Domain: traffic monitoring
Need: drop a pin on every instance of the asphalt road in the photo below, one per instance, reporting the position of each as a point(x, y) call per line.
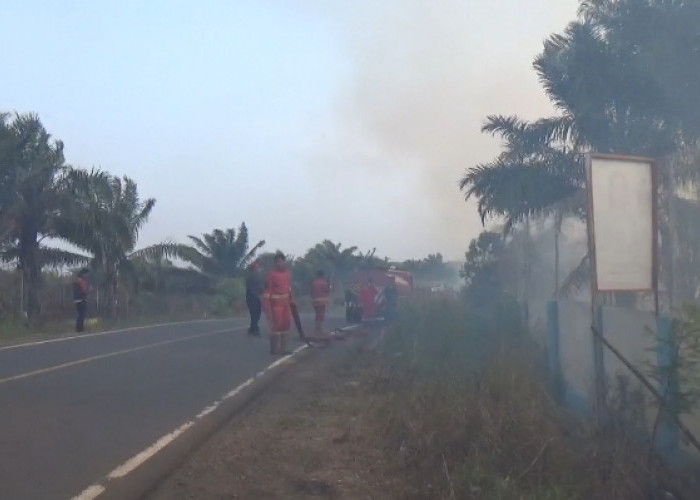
point(71, 411)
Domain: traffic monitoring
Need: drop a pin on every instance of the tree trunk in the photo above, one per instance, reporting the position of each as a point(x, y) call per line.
point(526, 252)
point(110, 292)
point(526, 275)
point(558, 219)
point(21, 293)
point(114, 297)
point(31, 273)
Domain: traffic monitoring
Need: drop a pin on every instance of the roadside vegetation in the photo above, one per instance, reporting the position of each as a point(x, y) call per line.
point(464, 406)
point(459, 399)
point(56, 218)
point(620, 78)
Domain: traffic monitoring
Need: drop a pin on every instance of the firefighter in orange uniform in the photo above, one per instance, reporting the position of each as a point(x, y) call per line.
point(368, 297)
point(277, 301)
point(320, 298)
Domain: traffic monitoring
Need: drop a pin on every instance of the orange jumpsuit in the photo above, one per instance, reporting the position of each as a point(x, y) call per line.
point(320, 298)
point(277, 299)
point(368, 298)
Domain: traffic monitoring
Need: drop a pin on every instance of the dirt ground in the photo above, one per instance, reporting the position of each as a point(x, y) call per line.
point(306, 438)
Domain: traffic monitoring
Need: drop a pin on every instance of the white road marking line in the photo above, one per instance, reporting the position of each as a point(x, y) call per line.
point(206, 411)
point(240, 387)
point(107, 332)
point(140, 458)
point(90, 493)
point(131, 464)
point(112, 354)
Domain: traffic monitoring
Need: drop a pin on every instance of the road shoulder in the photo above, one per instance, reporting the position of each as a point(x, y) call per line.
point(303, 438)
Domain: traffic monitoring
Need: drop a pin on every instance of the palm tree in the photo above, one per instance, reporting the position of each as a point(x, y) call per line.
point(623, 80)
point(8, 174)
point(111, 215)
point(597, 74)
point(658, 40)
point(336, 259)
point(528, 178)
point(607, 103)
point(34, 197)
point(221, 253)
point(535, 176)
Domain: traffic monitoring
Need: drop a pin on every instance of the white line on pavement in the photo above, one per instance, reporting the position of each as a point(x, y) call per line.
point(91, 493)
point(137, 460)
point(107, 332)
point(81, 361)
point(140, 458)
point(134, 462)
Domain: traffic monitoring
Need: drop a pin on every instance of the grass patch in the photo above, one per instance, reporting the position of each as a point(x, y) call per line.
point(461, 403)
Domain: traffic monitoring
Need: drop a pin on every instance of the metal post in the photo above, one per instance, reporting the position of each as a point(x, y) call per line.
point(599, 361)
point(596, 309)
point(667, 349)
point(525, 308)
point(666, 356)
point(21, 293)
point(553, 350)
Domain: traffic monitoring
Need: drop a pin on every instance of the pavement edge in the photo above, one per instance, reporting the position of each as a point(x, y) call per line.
point(147, 477)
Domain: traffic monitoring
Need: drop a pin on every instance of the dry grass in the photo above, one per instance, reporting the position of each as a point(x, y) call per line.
point(501, 437)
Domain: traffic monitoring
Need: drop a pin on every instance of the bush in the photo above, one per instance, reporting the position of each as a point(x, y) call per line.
point(230, 293)
point(466, 411)
point(440, 333)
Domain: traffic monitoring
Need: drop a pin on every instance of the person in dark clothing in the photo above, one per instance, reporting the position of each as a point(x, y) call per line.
point(391, 295)
point(253, 291)
point(80, 296)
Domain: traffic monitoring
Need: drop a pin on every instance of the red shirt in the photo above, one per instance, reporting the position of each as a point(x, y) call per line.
point(80, 290)
point(367, 298)
point(320, 291)
point(278, 286)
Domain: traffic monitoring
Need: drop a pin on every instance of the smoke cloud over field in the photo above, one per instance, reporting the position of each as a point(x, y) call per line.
point(423, 77)
point(358, 117)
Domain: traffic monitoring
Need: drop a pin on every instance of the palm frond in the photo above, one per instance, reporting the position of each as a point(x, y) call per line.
point(251, 254)
point(201, 245)
point(515, 190)
point(54, 257)
point(510, 128)
point(143, 214)
point(159, 251)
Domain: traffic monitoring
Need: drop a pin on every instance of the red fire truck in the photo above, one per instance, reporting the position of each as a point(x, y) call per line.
point(381, 279)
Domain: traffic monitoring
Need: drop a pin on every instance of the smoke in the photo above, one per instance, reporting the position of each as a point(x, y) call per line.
point(423, 77)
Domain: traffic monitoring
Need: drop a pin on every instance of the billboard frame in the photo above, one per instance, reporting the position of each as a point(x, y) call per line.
point(596, 311)
point(654, 274)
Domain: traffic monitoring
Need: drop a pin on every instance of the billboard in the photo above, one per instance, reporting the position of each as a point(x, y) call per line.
point(622, 209)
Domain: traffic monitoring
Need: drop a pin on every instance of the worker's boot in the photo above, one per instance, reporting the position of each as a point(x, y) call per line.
point(274, 341)
point(283, 345)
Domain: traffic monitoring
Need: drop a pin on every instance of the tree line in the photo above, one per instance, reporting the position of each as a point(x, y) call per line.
point(623, 78)
point(55, 217)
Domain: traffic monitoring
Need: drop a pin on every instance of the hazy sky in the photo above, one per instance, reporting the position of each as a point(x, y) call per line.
point(349, 120)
